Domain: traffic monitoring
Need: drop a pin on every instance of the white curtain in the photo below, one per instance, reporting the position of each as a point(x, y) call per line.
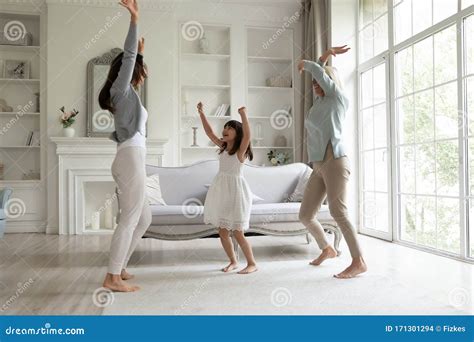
point(315, 42)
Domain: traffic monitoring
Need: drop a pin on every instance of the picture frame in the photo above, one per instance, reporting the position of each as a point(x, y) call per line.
point(16, 69)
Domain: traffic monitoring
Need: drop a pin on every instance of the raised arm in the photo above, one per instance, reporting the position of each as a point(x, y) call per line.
point(317, 71)
point(122, 83)
point(207, 127)
point(247, 135)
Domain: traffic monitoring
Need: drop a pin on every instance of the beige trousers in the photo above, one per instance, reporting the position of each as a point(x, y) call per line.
point(128, 170)
point(329, 178)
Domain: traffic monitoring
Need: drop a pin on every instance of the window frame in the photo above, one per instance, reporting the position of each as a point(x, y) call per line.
point(388, 56)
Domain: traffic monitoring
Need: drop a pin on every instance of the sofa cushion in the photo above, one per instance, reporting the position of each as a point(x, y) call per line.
point(297, 195)
point(153, 190)
point(273, 184)
point(261, 213)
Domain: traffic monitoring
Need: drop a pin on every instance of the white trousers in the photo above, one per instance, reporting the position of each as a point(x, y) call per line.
point(128, 171)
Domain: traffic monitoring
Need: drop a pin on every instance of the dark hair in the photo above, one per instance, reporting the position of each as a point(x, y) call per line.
point(238, 139)
point(138, 72)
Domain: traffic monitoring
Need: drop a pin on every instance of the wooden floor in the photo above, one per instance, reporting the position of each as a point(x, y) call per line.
point(50, 274)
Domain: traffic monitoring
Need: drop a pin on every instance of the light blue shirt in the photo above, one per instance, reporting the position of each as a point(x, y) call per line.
point(325, 119)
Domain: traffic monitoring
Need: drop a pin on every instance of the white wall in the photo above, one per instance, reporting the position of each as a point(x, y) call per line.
point(70, 26)
point(344, 31)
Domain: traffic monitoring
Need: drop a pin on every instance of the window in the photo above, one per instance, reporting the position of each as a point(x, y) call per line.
point(433, 134)
point(414, 16)
point(374, 150)
point(427, 146)
point(373, 34)
point(468, 80)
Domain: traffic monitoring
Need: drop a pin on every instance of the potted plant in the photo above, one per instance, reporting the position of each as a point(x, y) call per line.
point(67, 119)
point(278, 158)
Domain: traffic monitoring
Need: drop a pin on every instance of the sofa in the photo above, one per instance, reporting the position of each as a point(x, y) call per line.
point(184, 189)
point(4, 196)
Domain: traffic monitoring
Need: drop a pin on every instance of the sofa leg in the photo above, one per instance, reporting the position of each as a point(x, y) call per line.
point(308, 238)
point(337, 237)
point(236, 246)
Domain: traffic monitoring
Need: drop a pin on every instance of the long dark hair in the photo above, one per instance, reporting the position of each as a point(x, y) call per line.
point(239, 134)
point(139, 72)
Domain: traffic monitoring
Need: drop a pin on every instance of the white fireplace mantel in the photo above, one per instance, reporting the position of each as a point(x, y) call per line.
point(88, 159)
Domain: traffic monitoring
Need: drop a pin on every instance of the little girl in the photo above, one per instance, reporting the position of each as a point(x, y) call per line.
point(229, 199)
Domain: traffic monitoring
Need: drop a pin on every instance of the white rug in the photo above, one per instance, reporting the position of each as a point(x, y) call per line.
point(279, 288)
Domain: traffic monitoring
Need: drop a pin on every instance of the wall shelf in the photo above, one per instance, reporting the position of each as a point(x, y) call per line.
point(19, 80)
point(276, 60)
point(19, 48)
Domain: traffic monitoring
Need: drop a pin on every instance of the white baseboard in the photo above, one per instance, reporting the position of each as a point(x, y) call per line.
point(25, 227)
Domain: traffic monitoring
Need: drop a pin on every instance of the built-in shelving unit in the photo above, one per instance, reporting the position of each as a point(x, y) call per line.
point(204, 71)
point(261, 78)
point(270, 93)
point(20, 92)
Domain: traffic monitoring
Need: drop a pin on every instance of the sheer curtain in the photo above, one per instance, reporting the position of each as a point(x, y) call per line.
point(315, 42)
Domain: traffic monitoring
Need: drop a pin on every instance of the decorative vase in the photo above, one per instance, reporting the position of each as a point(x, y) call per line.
point(281, 141)
point(203, 44)
point(69, 132)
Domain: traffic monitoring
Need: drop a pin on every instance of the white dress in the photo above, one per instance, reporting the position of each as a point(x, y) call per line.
point(229, 199)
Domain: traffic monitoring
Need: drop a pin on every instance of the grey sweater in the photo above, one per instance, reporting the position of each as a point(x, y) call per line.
point(124, 98)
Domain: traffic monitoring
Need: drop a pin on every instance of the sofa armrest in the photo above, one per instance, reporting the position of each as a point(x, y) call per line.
point(4, 196)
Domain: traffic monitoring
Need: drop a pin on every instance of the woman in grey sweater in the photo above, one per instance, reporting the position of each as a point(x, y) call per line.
point(119, 96)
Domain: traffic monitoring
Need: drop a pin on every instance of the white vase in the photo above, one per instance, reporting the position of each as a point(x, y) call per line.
point(69, 132)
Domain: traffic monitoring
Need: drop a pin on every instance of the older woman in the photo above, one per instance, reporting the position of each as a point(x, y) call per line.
point(330, 164)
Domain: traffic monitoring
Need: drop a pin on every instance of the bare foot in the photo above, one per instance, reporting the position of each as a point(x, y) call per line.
point(125, 275)
point(115, 283)
point(249, 269)
point(327, 253)
point(232, 266)
point(357, 266)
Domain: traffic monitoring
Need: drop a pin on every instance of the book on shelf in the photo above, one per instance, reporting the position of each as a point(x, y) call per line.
point(33, 138)
point(222, 110)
